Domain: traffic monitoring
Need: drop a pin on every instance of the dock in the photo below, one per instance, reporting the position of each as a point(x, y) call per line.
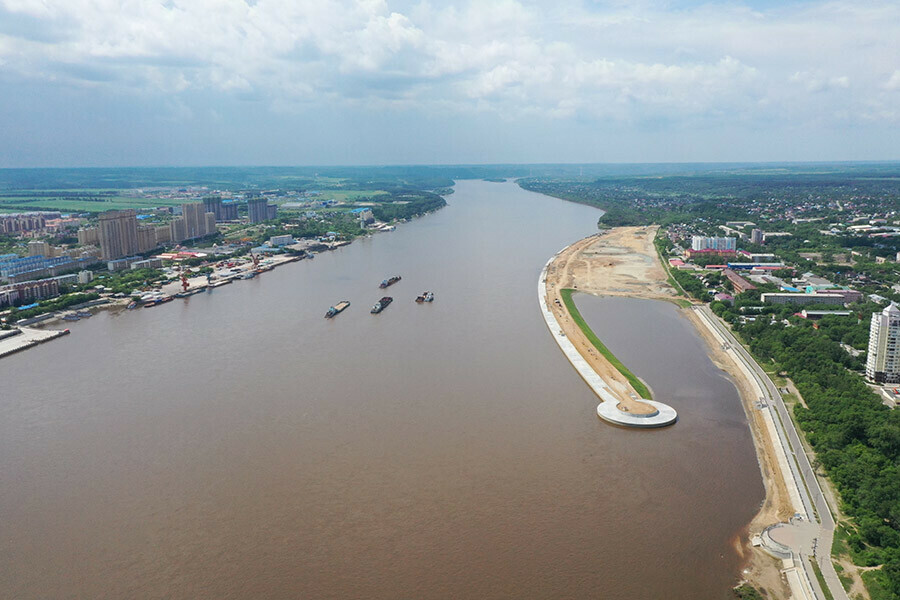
point(26, 337)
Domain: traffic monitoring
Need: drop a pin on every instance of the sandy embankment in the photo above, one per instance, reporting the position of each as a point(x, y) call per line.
point(623, 262)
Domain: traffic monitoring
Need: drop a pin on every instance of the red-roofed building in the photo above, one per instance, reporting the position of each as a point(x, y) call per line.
point(740, 284)
point(710, 252)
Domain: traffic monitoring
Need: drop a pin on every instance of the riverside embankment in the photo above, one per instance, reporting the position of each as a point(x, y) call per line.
point(623, 263)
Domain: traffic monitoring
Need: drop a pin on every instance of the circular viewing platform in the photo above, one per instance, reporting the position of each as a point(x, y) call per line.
point(662, 416)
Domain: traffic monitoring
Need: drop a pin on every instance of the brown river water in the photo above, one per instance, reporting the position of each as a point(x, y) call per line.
point(237, 445)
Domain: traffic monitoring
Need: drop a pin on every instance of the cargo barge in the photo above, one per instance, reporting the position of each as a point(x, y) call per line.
point(390, 281)
point(337, 308)
point(381, 305)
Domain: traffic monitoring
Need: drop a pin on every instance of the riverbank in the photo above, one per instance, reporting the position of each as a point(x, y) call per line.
point(41, 329)
point(623, 262)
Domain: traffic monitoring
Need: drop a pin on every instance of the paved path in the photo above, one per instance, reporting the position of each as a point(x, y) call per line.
point(810, 492)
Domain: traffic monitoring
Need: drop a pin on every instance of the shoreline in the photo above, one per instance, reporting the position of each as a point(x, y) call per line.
point(623, 262)
point(197, 285)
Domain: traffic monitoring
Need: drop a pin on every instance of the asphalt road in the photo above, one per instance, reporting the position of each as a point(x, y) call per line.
point(810, 492)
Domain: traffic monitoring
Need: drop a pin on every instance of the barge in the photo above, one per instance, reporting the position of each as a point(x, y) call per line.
point(390, 281)
point(381, 305)
point(337, 309)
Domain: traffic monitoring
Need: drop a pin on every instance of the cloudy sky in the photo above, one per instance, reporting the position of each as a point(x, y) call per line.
point(312, 82)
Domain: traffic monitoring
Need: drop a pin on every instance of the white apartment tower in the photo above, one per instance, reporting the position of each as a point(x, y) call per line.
point(883, 364)
point(699, 243)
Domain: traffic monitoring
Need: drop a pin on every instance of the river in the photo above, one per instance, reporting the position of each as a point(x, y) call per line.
point(237, 445)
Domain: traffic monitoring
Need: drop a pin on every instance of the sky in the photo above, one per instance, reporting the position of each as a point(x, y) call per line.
point(342, 82)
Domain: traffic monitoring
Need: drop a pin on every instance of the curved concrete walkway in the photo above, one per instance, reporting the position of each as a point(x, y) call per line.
point(608, 409)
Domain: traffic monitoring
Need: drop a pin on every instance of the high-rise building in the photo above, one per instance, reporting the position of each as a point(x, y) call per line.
point(177, 230)
point(258, 209)
point(38, 248)
point(213, 204)
point(194, 219)
point(224, 211)
point(146, 238)
point(118, 234)
point(883, 363)
point(89, 236)
point(756, 236)
point(229, 211)
point(700, 243)
point(197, 222)
point(20, 222)
point(163, 234)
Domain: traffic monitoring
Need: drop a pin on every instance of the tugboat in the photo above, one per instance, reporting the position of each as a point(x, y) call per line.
point(381, 305)
point(425, 297)
point(390, 281)
point(337, 308)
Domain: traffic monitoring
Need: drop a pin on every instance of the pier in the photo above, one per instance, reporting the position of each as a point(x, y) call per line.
point(26, 337)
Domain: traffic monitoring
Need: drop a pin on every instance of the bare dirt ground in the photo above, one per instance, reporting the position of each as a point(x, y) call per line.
point(623, 262)
point(619, 262)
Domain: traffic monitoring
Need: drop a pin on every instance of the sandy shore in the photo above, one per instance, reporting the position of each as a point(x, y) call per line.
point(623, 262)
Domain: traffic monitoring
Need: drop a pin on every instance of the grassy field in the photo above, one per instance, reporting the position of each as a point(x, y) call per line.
point(67, 205)
point(344, 195)
point(636, 383)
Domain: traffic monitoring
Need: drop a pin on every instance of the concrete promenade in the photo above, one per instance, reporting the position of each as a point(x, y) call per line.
point(811, 533)
point(27, 338)
point(608, 408)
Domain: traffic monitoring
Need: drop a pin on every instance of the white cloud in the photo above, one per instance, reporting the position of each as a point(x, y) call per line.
point(820, 83)
point(572, 57)
point(893, 83)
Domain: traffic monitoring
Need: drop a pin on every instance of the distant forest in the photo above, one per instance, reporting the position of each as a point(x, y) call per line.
point(606, 176)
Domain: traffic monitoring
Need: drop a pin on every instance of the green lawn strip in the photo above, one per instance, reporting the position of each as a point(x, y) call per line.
point(821, 579)
point(636, 383)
